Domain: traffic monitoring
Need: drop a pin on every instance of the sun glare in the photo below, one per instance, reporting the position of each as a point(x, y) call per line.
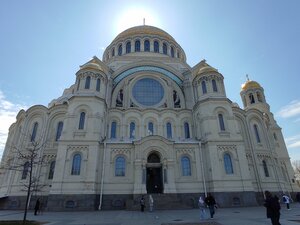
point(135, 17)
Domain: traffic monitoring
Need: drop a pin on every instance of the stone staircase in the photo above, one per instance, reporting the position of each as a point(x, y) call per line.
point(164, 201)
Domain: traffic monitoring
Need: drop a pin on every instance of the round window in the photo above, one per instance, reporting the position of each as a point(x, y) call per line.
point(148, 92)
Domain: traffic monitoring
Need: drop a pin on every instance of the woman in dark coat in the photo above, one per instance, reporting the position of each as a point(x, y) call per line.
point(273, 208)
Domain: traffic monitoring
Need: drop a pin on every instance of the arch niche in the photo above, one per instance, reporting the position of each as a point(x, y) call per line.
point(154, 178)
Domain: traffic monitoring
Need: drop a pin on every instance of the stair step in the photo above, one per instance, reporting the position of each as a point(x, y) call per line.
point(161, 201)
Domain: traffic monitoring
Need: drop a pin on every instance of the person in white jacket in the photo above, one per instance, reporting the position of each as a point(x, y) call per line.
point(287, 201)
point(201, 205)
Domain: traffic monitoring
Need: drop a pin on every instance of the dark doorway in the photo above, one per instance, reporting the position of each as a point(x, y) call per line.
point(154, 180)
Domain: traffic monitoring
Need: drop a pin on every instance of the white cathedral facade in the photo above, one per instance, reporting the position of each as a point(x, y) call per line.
point(142, 121)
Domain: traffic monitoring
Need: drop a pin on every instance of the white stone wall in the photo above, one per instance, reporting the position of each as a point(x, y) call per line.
point(205, 148)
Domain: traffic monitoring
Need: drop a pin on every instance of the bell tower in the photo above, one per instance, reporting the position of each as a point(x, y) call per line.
point(253, 96)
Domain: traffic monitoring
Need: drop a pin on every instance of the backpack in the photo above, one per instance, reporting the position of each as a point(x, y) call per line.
point(284, 199)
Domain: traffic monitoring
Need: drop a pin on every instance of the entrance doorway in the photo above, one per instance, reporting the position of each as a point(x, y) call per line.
point(154, 181)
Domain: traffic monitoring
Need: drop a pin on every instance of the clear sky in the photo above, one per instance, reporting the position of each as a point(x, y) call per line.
point(43, 43)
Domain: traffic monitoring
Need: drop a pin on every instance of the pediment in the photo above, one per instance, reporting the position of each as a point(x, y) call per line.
point(154, 139)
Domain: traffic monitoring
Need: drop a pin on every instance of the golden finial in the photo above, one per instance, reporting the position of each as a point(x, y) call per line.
point(247, 77)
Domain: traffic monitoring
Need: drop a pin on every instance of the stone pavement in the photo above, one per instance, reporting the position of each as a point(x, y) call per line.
point(223, 216)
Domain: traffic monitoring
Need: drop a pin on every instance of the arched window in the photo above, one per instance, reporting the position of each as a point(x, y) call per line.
point(87, 82)
point(59, 130)
point(228, 164)
point(34, 131)
point(172, 52)
point(132, 130)
point(113, 131)
point(178, 55)
point(81, 121)
point(25, 170)
point(156, 46)
point(214, 85)
point(113, 52)
point(259, 98)
point(185, 166)
point(98, 84)
point(265, 168)
point(251, 97)
point(147, 46)
point(204, 89)
point(169, 130)
point(76, 164)
point(256, 133)
point(165, 49)
point(137, 46)
point(120, 49)
point(51, 170)
point(186, 130)
point(128, 47)
point(120, 166)
point(150, 128)
point(221, 122)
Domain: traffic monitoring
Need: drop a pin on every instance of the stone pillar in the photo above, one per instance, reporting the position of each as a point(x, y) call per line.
point(169, 186)
point(139, 184)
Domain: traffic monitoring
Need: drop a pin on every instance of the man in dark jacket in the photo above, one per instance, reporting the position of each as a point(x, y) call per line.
point(211, 202)
point(37, 206)
point(273, 208)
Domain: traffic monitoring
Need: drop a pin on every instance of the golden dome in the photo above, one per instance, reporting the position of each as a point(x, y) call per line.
point(144, 30)
point(250, 84)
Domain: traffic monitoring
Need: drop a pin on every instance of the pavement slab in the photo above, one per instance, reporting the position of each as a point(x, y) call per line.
point(223, 216)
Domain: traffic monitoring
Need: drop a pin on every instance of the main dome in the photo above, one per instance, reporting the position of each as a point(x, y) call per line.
point(143, 30)
point(141, 39)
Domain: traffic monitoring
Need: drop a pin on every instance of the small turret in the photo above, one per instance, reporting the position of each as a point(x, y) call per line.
point(253, 96)
point(207, 82)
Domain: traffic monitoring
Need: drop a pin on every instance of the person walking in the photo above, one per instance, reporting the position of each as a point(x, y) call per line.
point(151, 203)
point(298, 197)
point(201, 205)
point(37, 206)
point(273, 208)
point(286, 200)
point(142, 203)
point(211, 202)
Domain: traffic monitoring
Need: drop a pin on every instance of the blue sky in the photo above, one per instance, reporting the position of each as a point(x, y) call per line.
point(43, 43)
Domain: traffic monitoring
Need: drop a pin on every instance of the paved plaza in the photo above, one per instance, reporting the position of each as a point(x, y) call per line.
point(224, 216)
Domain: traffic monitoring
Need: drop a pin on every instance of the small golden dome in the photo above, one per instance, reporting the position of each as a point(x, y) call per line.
point(250, 84)
point(92, 64)
point(207, 69)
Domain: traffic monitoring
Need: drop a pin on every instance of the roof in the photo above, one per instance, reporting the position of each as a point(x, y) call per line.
point(142, 30)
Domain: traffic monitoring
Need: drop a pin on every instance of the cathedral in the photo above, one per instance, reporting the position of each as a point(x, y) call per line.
point(142, 121)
